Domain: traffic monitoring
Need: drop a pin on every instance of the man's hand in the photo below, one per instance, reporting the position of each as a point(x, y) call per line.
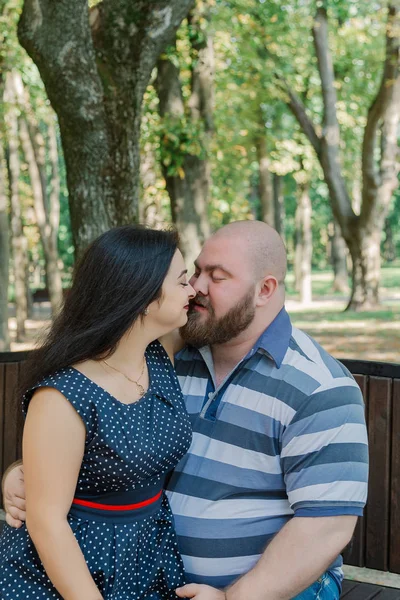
point(200, 592)
point(14, 496)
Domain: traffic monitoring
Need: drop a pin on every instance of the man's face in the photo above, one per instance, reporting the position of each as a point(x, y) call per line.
point(225, 294)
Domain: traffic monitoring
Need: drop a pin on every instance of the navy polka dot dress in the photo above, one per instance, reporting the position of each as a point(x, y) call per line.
point(120, 517)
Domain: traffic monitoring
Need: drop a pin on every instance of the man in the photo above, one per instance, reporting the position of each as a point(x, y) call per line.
point(276, 476)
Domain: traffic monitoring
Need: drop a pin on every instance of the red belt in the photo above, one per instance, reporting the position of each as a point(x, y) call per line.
point(99, 506)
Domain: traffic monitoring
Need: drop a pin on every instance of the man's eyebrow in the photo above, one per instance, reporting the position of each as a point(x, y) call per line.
point(214, 267)
point(183, 273)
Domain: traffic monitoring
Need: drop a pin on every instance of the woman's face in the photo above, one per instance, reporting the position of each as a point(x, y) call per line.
point(170, 311)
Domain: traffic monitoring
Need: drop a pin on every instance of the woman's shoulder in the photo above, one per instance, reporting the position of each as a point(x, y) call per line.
point(57, 379)
point(73, 386)
point(68, 381)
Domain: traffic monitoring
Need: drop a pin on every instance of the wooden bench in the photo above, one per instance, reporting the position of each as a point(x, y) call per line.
point(11, 364)
point(376, 542)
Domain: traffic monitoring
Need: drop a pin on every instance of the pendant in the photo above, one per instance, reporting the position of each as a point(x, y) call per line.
point(141, 389)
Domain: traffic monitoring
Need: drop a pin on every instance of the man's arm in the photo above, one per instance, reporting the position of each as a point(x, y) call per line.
point(324, 455)
point(13, 487)
point(296, 557)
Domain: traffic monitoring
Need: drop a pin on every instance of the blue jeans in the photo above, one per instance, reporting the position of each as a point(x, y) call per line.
point(325, 588)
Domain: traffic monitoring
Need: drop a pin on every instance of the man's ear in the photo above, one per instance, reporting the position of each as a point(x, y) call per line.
point(267, 287)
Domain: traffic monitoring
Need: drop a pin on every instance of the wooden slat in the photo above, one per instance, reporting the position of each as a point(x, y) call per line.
point(355, 590)
point(379, 428)
point(2, 383)
point(372, 368)
point(394, 551)
point(360, 591)
point(13, 357)
point(347, 586)
point(355, 551)
point(10, 415)
point(387, 593)
point(20, 420)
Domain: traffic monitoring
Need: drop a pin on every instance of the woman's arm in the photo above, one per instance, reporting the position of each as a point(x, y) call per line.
point(53, 447)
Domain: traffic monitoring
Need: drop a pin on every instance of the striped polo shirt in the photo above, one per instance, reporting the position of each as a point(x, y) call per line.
point(282, 436)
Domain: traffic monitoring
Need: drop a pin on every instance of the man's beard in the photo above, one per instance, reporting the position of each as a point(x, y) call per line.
point(204, 332)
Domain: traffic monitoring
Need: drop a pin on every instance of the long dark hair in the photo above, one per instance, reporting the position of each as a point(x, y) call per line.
point(119, 274)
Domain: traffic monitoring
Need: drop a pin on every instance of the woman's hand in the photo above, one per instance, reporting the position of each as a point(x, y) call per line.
point(200, 592)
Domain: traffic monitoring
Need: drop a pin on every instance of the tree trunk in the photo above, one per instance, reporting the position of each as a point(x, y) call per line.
point(54, 280)
point(4, 258)
point(265, 176)
point(48, 230)
point(96, 67)
point(188, 181)
point(150, 209)
point(201, 107)
point(389, 249)
point(19, 242)
point(338, 259)
point(365, 250)
point(183, 208)
point(279, 205)
point(379, 169)
point(303, 249)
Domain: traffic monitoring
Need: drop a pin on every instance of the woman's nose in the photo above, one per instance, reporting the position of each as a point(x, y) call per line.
point(191, 291)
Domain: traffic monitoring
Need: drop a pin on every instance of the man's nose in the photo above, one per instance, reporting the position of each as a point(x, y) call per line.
point(199, 284)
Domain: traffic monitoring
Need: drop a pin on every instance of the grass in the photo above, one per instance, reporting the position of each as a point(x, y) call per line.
point(370, 335)
point(322, 282)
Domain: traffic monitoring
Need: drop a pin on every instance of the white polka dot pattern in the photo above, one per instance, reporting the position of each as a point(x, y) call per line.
point(128, 447)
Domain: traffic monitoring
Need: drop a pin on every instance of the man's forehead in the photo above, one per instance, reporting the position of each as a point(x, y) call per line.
point(222, 250)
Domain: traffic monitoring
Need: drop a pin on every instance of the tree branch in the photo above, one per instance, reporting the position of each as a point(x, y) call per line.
point(385, 102)
point(298, 109)
point(326, 73)
point(330, 139)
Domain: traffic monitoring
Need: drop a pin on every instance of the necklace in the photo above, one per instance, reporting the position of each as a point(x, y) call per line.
point(136, 382)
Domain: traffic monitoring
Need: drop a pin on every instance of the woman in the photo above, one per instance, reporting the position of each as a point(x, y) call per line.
point(105, 422)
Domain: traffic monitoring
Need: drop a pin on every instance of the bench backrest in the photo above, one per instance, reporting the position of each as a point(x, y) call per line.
point(11, 364)
point(376, 543)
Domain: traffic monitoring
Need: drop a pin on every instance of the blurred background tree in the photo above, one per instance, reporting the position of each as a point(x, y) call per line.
point(197, 114)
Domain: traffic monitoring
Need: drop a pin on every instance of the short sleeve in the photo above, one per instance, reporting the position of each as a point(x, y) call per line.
point(74, 389)
point(325, 452)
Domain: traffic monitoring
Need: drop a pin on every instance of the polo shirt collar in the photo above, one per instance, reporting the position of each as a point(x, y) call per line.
point(275, 339)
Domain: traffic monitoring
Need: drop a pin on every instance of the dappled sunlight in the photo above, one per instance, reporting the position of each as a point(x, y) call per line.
point(360, 346)
point(34, 327)
point(372, 326)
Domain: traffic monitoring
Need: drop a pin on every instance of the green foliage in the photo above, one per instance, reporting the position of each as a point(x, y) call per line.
point(13, 57)
point(253, 40)
point(180, 137)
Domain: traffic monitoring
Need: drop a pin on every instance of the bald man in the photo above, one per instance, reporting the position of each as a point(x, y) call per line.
point(276, 476)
